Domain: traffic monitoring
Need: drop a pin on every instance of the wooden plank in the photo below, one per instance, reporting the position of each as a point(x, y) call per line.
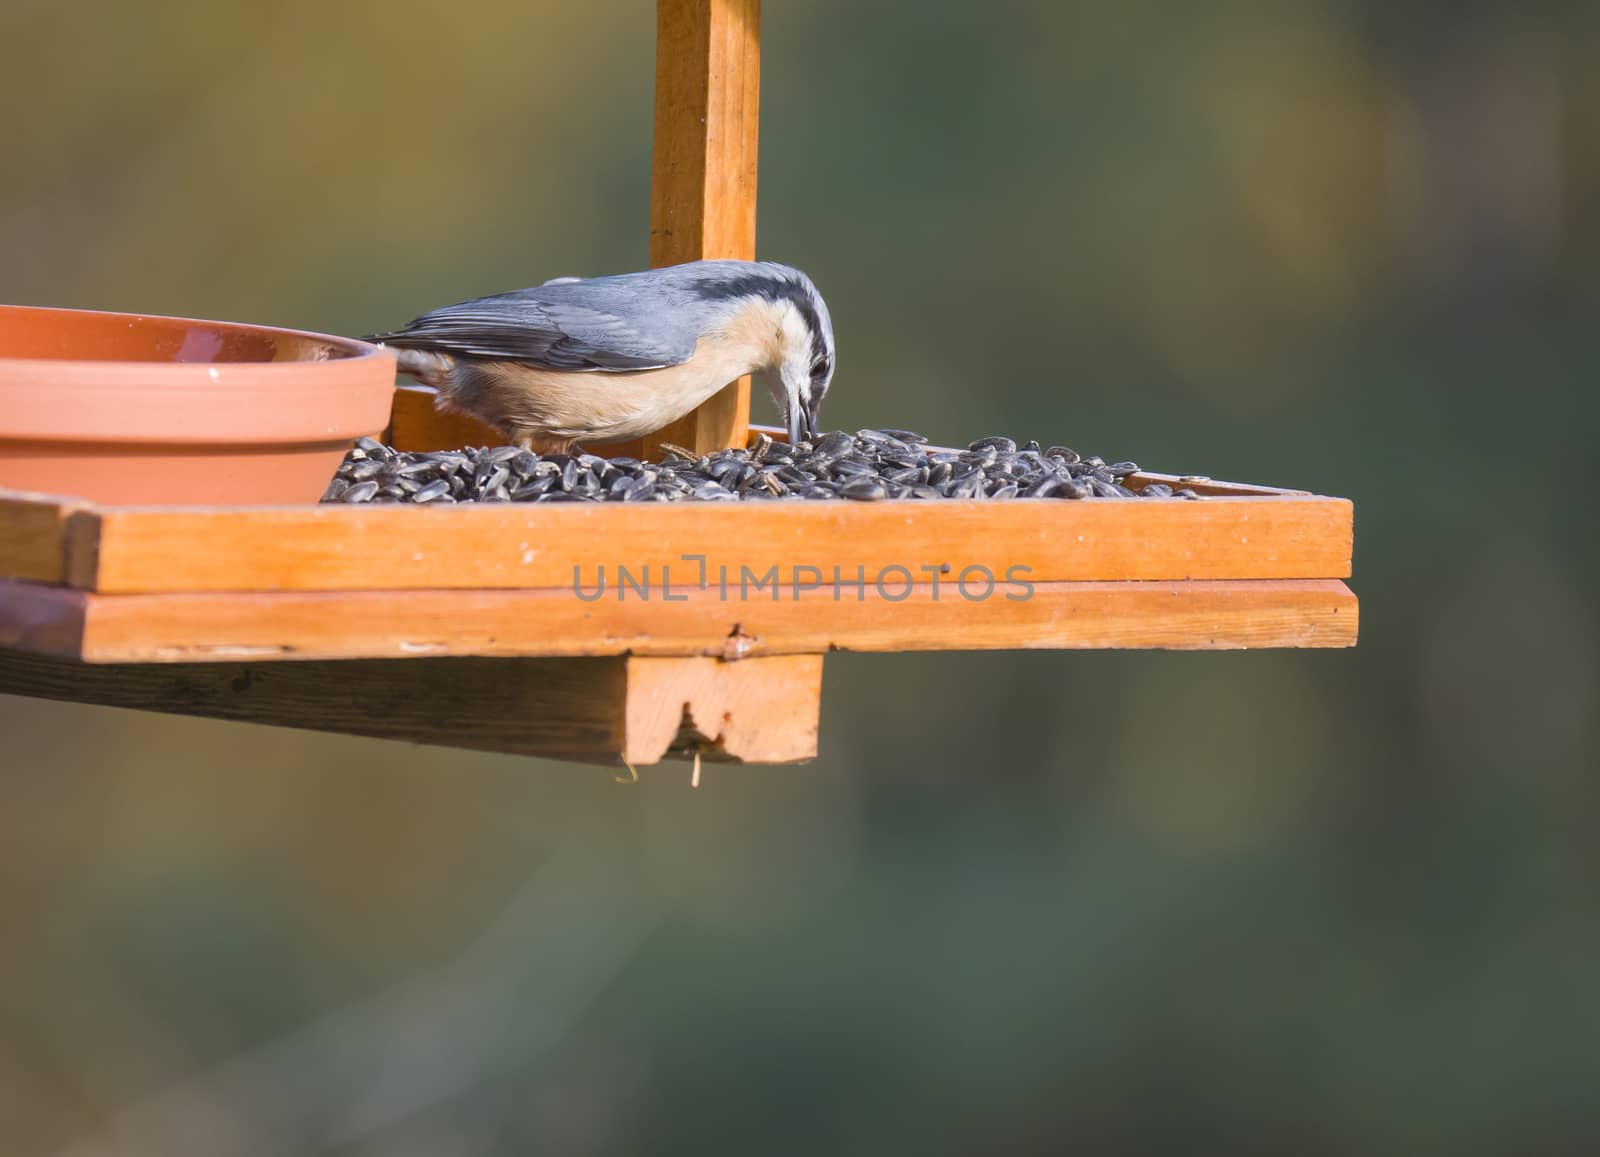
point(599, 709)
point(703, 176)
point(419, 624)
point(32, 533)
point(496, 545)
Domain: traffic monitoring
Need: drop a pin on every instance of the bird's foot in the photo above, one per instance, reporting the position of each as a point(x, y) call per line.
point(541, 444)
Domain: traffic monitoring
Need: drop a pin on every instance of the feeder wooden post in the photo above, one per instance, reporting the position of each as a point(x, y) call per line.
point(703, 180)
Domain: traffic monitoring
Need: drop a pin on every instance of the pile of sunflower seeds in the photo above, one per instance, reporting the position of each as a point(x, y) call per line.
point(866, 466)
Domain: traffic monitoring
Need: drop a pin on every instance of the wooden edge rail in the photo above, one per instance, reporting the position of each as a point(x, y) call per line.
point(503, 545)
point(961, 613)
point(119, 550)
point(606, 709)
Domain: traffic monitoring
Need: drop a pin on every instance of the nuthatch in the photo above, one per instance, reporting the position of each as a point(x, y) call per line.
point(603, 359)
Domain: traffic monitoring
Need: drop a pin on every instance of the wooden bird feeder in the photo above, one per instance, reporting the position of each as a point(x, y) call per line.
point(480, 626)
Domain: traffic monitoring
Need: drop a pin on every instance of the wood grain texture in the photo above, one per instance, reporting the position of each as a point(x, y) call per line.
point(497, 545)
point(421, 624)
point(32, 534)
point(703, 172)
point(599, 709)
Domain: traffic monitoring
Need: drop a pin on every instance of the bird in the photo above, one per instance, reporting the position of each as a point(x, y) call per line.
point(604, 359)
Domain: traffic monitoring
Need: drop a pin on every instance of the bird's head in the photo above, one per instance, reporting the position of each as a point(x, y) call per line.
point(793, 334)
point(806, 369)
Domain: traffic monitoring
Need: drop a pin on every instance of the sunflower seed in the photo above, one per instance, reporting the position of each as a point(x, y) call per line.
point(871, 465)
point(864, 490)
point(1001, 445)
point(532, 488)
point(911, 438)
point(836, 444)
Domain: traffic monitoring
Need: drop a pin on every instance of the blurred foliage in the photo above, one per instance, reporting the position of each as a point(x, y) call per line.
point(1319, 902)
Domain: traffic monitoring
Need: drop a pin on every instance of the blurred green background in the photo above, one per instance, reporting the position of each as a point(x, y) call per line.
point(1325, 902)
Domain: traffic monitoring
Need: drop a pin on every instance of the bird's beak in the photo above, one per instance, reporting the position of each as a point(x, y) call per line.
point(802, 415)
point(803, 420)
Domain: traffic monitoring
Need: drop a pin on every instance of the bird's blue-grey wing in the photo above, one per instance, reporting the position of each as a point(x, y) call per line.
point(565, 326)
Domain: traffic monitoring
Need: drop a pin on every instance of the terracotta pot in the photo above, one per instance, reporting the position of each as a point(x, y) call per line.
point(122, 408)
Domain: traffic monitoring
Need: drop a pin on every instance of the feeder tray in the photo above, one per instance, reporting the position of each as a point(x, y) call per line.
point(485, 626)
point(480, 626)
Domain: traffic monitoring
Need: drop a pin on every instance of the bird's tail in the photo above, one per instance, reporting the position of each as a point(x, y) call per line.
point(429, 368)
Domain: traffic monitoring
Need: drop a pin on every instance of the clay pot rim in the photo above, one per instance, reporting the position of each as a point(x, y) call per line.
point(351, 349)
point(232, 403)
